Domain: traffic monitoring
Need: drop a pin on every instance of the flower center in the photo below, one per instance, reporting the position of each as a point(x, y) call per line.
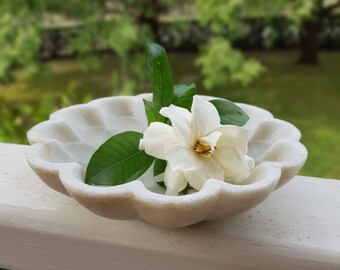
point(203, 150)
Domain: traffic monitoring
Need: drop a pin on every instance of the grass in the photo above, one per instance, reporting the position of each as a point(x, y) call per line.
point(307, 96)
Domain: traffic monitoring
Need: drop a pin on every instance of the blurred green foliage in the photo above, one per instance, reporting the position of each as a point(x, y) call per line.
point(221, 63)
point(19, 39)
point(88, 27)
point(218, 72)
point(122, 26)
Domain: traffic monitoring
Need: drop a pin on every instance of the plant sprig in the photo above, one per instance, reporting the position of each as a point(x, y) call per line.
point(119, 160)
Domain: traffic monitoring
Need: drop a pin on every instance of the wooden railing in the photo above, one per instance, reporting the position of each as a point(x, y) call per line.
point(297, 227)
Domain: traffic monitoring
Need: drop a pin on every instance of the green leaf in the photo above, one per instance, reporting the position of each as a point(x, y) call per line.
point(230, 113)
point(118, 161)
point(152, 112)
point(160, 74)
point(183, 95)
point(185, 191)
point(159, 167)
point(161, 184)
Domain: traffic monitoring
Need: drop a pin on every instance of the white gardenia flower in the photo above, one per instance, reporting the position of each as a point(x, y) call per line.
point(197, 147)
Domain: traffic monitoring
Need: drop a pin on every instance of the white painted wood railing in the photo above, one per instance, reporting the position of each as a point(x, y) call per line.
point(298, 227)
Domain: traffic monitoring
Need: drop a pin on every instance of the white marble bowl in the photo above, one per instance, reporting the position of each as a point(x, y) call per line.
point(63, 145)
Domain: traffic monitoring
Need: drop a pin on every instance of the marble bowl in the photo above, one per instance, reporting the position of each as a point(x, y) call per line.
point(62, 147)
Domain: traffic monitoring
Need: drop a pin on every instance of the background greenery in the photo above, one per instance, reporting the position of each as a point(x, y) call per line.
point(54, 54)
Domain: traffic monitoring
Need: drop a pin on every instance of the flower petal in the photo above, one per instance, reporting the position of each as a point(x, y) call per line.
point(174, 181)
point(251, 162)
point(233, 136)
point(205, 117)
point(156, 138)
point(180, 119)
point(233, 162)
point(209, 170)
point(211, 139)
point(181, 158)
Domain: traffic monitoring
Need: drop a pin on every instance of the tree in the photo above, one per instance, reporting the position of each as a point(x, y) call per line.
point(19, 38)
point(220, 62)
point(311, 28)
point(122, 26)
point(89, 26)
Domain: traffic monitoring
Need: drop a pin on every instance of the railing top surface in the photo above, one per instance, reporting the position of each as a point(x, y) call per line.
point(297, 227)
